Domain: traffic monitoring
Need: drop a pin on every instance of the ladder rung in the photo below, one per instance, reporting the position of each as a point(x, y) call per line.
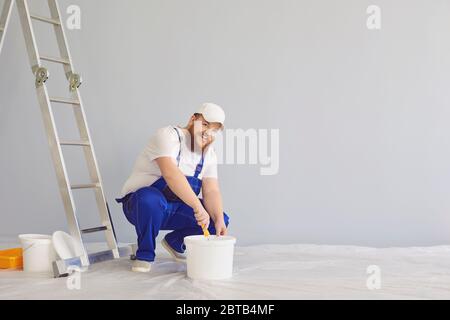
point(92, 230)
point(45, 19)
point(54, 59)
point(65, 101)
point(86, 186)
point(76, 143)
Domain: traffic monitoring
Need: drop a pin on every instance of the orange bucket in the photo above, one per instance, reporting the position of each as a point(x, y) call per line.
point(11, 259)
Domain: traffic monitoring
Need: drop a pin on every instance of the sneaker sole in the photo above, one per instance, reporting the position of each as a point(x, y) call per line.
point(141, 270)
point(169, 250)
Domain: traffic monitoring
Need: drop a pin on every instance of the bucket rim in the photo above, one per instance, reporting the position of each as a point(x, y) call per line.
point(36, 238)
point(200, 240)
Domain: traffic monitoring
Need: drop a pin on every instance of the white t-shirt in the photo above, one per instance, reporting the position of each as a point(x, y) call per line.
point(166, 143)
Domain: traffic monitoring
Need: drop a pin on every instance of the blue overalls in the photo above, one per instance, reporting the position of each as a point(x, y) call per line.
point(154, 208)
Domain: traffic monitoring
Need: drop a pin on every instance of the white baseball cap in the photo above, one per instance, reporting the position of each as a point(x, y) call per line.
point(212, 113)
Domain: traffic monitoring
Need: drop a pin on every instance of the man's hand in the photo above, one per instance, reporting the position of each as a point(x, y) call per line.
point(202, 217)
point(221, 228)
point(212, 200)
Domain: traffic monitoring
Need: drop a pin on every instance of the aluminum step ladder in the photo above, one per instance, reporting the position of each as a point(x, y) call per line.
point(46, 102)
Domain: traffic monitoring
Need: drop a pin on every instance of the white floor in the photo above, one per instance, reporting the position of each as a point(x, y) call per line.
point(261, 272)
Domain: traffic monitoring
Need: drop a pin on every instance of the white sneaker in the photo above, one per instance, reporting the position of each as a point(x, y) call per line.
point(180, 257)
point(141, 266)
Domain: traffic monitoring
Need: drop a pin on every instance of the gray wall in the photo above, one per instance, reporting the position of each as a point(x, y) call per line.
point(363, 115)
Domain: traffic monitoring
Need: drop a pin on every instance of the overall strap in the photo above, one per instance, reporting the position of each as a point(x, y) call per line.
point(179, 153)
point(199, 168)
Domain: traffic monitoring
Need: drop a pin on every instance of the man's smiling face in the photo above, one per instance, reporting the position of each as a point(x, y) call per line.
point(204, 132)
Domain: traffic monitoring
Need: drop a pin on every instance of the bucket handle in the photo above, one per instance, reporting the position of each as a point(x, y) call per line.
point(30, 246)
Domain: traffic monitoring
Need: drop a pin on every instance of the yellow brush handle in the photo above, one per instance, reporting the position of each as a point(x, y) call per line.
point(205, 231)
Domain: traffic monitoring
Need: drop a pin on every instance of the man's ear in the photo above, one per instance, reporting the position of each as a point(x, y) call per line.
point(191, 121)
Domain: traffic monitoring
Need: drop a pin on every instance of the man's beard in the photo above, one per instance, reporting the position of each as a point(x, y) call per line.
point(194, 138)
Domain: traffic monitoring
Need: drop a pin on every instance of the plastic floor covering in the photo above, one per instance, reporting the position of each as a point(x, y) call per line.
point(260, 272)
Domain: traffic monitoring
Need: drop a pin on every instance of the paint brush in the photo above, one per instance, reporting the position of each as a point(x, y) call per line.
point(205, 231)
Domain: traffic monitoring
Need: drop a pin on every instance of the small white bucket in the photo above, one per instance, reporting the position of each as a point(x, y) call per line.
point(38, 253)
point(209, 258)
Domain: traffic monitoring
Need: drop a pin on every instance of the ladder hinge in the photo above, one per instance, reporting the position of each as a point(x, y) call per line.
point(75, 81)
point(41, 74)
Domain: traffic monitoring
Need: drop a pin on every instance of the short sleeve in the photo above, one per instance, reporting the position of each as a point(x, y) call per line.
point(210, 169)
point(165, 143)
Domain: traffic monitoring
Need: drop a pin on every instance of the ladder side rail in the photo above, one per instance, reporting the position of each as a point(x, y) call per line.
point(94, 173)
point(61, 37)
point(4, 20)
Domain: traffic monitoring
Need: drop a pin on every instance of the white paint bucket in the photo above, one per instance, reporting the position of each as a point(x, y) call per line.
point(209, 258)
point(38, 253)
